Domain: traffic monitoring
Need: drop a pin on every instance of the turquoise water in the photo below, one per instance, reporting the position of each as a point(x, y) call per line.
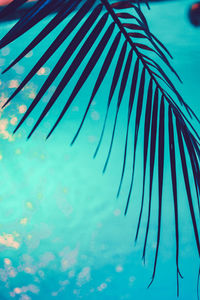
point(63, 234)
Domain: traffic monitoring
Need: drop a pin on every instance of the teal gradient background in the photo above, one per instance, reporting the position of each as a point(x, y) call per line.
point(63, 233)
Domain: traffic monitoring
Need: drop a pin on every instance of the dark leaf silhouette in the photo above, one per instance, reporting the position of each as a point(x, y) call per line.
point(160, 178)
point(146, 143)
point(131, 100)
point(113, 86)
point(137, 123)
point(121, 92)
point(152, 160)
point(101, 76)
point(122, 27)
point(174, 186)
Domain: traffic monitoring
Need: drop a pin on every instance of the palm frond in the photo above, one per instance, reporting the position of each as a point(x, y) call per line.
point(174, 187)
point(105, 27)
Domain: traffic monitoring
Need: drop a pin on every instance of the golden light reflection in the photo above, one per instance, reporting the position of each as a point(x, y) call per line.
point(32, 95)
point(3, 100)
point(17, 290)
point(102, 286)
point(8, 241)
point(119, 269)
point(43, 71)
point(23, 221)
point(13, 121)
point(29, 205)
point(3, 130)
point(7, 261)
point(13, 84)
point(22, 108)
point(29, 54)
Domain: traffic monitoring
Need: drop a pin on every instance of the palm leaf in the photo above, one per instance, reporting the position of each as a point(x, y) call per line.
point(174, 186)
point(103, 23)
point(121, 92)
point(152, 161)
point(146, 142)
point(112, 89)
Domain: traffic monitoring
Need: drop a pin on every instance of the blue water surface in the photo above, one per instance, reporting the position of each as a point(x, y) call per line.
point(63, 233)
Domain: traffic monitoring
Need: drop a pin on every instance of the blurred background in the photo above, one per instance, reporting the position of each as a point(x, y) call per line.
point(63, 234)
